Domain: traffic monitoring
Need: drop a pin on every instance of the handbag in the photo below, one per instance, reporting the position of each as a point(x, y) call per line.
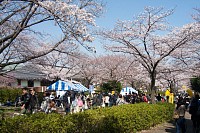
point(175, 115)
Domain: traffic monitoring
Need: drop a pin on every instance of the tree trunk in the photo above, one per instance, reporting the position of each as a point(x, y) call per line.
point(88, 82)
point(152, 86)
point(172, 86)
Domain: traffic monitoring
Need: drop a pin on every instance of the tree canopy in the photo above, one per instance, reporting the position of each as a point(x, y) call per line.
point(20, 42)
point(152, 42)
point(111, 85)
point(195, 83)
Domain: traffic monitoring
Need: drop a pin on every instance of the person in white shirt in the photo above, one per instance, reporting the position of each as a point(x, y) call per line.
point(107, 100)
point(52, 96)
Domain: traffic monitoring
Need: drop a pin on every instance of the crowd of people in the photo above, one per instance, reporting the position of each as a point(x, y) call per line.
point(73, 102)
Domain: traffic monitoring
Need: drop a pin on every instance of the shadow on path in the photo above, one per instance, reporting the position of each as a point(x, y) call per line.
point(188, 124)
point(170, 127)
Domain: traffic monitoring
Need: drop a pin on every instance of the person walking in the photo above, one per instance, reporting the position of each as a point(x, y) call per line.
point(47, 103)
point(25, 100)
point(34, 104)
point(107, 98)
point(67, 102)
point(180, 122)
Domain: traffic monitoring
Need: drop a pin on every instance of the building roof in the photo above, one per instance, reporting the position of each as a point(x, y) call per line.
point(28, 73)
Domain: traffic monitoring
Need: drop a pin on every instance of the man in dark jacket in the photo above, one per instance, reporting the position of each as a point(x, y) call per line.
point(66, 100)
point(25, 100)
point(33, 101)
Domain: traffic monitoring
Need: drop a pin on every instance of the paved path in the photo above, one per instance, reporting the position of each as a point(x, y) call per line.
point(169, 127)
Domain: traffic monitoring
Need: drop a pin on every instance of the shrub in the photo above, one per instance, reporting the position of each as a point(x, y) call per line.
point(124, 118)
point(9, 93)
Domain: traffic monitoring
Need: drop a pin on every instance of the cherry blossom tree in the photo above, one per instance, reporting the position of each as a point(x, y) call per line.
point(112, 67)
point(119, 68)
point(151, 41)
point(174, 77)
point(196, 63)
point(197, 15)
point(88, 70)
point(20, 42)
point(185, 64)
point(60, 63)
point(101, 68)
point(136, 76)
point(122, 68)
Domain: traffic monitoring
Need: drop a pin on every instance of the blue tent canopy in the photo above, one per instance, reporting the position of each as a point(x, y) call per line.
point(81, 87)
point(128, 90)
point(62, 86)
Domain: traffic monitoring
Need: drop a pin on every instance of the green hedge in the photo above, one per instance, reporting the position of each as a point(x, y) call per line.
point(128, 118)
point(9, 93)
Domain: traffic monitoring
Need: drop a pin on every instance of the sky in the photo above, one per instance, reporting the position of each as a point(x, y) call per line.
point(127, 9)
